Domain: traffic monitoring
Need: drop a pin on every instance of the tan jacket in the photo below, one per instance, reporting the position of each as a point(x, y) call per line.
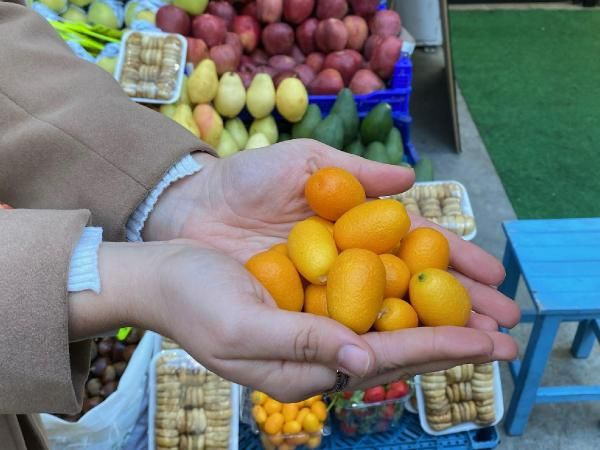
point(73, 150)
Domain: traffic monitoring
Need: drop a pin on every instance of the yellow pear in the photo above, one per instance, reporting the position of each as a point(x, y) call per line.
point(183, 116)
point(227, 145)
point(292, 99)
point(238, 132)
point(260, 98)
point(203, 82)
point(184, 97)
point(231, 95)
point(168, 110)
point(257, 140)
point(267, 127)
point(209, 123)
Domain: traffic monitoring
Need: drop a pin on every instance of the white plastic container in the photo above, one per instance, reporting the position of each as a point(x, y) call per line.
point(177, 77)
point(498, 408)
point(183, 359)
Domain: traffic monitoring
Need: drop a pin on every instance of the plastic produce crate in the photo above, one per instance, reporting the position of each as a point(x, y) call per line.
point(408, 435)
point(397, 95)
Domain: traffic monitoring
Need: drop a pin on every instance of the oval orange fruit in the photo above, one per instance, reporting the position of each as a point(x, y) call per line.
point(274, 423)
point(315, 300)
point(332, 191)
point(397, 276)
point(396, 314)
point(278, 275)
point(280, 248)
point(425, 248)
point(377, 226)
point(312, 249)
point(439, 298)
point(355, 288)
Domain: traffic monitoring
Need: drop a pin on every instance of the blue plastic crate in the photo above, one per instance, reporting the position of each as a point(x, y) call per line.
point(397, 95)
point(408, 435)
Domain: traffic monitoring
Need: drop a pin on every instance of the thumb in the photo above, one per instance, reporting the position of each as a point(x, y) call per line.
point(303, 337)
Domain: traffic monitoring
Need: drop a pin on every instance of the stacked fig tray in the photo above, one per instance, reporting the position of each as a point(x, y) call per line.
point(463, 398)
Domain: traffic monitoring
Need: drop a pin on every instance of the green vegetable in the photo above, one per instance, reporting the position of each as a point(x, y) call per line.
point(376, 152)
point(394, 146)
point(345, 108)
point(330, 131)
point(306, 126)
point(424, 170)
point(356, 148)
point(377, 125)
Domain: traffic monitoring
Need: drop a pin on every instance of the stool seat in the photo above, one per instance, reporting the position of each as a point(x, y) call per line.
point(560, 264)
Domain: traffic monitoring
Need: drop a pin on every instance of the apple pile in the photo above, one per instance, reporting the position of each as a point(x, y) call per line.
point(327, 44)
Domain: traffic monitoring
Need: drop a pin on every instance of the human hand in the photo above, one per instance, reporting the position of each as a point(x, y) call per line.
point(225, 319)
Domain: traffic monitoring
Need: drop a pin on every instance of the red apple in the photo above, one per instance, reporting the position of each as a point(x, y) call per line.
point(346, 62)
point(305, 73)
point(234, 40)
point(248, 30)
point(210, 28)
point(365, 81)
point(305, 35)
point(296, 11)
point(222, 9)
point(196, 50)
point(282, 63)
point(269, 11)
point(331, 35)
point(298, 55)
point(327, 9)
point(250, 10)
point(372, 42)
point(327, 82)
point(315, 61)
point(278, 38)
point(172, 19)
point(357, 32)
point(386, 23)
point(385, 56)
point(364, 7)
point(225, 57)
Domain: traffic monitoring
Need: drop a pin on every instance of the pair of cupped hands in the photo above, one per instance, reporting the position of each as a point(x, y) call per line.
point(191, 285)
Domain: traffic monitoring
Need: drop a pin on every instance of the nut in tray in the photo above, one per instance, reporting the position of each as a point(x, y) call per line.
point(462, 394)
point(192, 406)
point(151, 66)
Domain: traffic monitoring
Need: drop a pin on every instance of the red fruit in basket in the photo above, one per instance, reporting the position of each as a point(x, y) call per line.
point(234, 40)
point(331, 35)
point(358, 31)
point(172, 19)
point(196, 50)
point(327, 9)
point(315, 61)
point(211, 29)
point(248, 30)
point(281, 63)
point(346, 62)
point(225, 57)
point(269, 11)
point(386, 23)
point(385, 57)
point(401, 387)
point(364, 7)
point(305, 35)
point(370, 44)
point(347, 395)
point(305, 73)
point(222, 9)
point(278, 38)
point(392, 394)
point(374, 394)
point(327, 82)
point(298, 55)
point(365, 81)
point(296, 11)
point(250, 10)
point(388, 410)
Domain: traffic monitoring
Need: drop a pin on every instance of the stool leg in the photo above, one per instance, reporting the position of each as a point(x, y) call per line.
point(511, 266)
point(530, 374)
point(584, 339)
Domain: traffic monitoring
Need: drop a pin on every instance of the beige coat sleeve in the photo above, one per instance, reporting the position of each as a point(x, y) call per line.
point(69, 137)
point(39, 370)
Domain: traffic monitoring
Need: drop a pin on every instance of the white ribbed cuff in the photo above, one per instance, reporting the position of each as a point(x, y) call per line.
point(185, 167)
point(83, 269)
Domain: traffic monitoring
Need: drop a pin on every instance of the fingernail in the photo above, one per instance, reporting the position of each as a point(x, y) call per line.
point(353, 360)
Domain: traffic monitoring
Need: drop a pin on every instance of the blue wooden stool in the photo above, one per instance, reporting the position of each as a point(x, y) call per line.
point(560, 264)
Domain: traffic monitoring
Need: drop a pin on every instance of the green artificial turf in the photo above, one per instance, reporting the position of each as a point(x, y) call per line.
point(531, 80)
